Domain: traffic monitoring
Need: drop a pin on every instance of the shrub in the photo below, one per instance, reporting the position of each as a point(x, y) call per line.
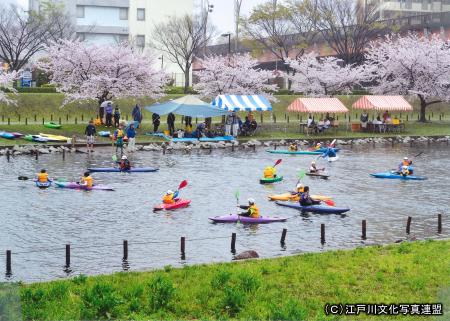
point(161, 292)
point(38, 90)
point(290, 310)
point(233, 300)
point(220, 278)
point(249, 282)
point(179, 91)
point(100, 302)
point(79, 279)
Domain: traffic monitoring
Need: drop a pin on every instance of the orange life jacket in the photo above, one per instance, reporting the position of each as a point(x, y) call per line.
point(42, 177)
point(87, 181)
point(168, 199)
point(254, 211)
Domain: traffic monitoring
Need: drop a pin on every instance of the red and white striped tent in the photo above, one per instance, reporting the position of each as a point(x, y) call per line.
point(317, 105)
point(381, 103)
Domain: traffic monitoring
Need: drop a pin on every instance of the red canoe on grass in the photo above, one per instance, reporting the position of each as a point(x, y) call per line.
point(180, 203)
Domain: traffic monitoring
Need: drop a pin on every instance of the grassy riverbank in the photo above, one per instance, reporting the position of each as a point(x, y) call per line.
point(289, 288)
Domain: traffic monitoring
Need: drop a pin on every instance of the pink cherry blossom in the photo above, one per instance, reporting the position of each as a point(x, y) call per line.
point(6, 81)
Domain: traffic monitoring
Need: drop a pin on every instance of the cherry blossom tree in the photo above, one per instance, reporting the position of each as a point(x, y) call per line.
point(323, 76)
point(410, 65)
point(235, 74)
point(6, 79)
point(85, 71)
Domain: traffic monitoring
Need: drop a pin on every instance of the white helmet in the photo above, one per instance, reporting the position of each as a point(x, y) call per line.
point(319, 144)
point(169, 192)
point(299, 185)
point(251, 201)
point(405, 158)
point(124, 157)
point(313, 163)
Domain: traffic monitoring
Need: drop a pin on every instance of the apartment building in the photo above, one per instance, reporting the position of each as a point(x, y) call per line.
point(389, 9)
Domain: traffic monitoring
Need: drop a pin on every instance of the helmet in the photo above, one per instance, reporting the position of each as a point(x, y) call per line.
point(169, 192)
point(299, 185)
point(124, 157)
point(319, 144)
point(313, 163)
point(405, 158)
point(251, 201)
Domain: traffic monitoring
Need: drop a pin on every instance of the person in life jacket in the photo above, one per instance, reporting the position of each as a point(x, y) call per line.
point(405, 171)
point(330, 152)
point(251, 209)
point(318, 146)
point(42, 177)
point(313, 168)
point(118, 136)
point(124, 164)
point(406, 162)
point(270, 172)
point(305, 199)
point(87, 181)
point(293, 147)
point(170, 197)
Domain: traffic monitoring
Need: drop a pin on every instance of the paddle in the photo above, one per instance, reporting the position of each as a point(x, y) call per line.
point(419, 154)
point(236, 195)
point(182, 185)
point(333, 142)
point(301, 174)
point(329, 202)
point(114, 158)
point(23, 178)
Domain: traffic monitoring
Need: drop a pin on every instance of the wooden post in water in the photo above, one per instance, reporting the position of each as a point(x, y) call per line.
point(283, 236)
point(164, 149)
point(322, 233)
point(408, 225)
point(439, 223)
point(73, 141)
point(36, 151)
point(8, 263)
point(76, 121)
point(125, 250)
point(67, 256)
point(64, 153)
point(233, 242)
point(7, 155)
point(275, 146)
point(363, 232)
point(183, 247)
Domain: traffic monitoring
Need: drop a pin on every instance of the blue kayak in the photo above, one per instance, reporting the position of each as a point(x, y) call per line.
point(117, 170)
point(7, 135)
point(104, 134)
point(324, 149)
point(319, 209)
point(217, 139)
point(395, 175)
point(43, 185)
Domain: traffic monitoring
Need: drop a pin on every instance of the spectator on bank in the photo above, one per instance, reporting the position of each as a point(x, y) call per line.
point(188, 124)
point(109, 114)
point(90, 132)
point(137, 116)
point(235, 124)
point(131, 134)
point(171, 123)
point(156, 122)
point(228, 124)
point(116, 116)
point(101, 113)
point(386, 116)
point(364, 120)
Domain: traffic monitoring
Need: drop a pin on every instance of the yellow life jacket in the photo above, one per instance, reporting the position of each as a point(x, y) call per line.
point(300, 190)
point(168, 199)
point(42, 177)
point(120, 133)
point(254, 211)
point(293, 148)
point(88, 181)
point(269, 172)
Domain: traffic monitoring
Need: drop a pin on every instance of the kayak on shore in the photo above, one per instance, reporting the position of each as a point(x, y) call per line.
point(271, 180)
point(75, 185)
point(54, 138)
point(395, 175)
point(35, 138)
point(52, 125)
point(324, 176)
point(298, 152)
point(7, 135)
point(319, 209)
point(295, 198)
point(179, 203)
point(118, 170)
point(246, 220)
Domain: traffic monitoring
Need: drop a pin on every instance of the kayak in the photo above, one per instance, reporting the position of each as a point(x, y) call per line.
point(180, 203)
point(298, 152)
point(295, 198)
point(398, 176)
point(332, 159)
point(36, 138)
point(75, 185)
point(43, 185)
point(324, 149)
point(52, 125)
point(104, 134)
point(18, 135)
point(324, 176)
point(217, 139)
point(271, 180)
point(319, 209)
point(117, 170)
point(7, 135)
point(246, 220)
point(184, 140)
point(54, 138)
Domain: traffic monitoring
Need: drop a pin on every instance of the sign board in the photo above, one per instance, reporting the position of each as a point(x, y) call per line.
point(26, 79)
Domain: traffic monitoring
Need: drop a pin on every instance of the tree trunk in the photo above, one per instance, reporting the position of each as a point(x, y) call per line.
point(186, 78)
point(423, 107)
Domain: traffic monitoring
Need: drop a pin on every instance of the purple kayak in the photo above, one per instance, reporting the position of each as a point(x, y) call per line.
point(75, 185)
point(246, 220)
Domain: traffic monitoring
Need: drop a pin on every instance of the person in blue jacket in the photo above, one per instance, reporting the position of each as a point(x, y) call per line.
point(131, 134)
point(330, 152)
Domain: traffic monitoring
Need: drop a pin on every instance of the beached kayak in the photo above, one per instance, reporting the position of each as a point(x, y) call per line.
point(36, 138)
point(17, 135)
point(246, 220)
point(295, 198)
point(52, 125)
point(7, 135)
point(319, 209)
point(43, 185)
point(217, 139)
point(75, 185)
point(325, 176)
point(180, 203)
point(117, 170)
point(394, 175)
point(271, 180)
point(54, 138)
point(298, 152)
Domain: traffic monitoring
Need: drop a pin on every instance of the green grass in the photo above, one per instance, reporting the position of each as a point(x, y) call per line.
point(289, 288)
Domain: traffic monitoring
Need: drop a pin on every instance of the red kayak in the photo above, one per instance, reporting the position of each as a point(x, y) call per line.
point(180, 203)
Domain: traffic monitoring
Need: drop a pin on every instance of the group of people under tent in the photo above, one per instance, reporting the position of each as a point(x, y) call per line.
point(379, 122)
point(322, 125)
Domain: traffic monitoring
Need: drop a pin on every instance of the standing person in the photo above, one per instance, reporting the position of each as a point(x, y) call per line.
point(386, 116)
point(188, 124)
point(116, 116)
point(137, 116)
point(90, 132)
point(101, 113)
point(171, 123)
point(235, 125)
point(109, 114)
point(118, 136)
point(364, 120)
point(156, 121)
point(228, 124)
point(131, 134)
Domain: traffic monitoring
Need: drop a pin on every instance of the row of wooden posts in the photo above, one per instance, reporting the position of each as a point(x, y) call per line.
point(233, 243)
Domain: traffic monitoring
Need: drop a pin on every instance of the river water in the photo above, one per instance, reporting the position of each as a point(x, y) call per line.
point(36, 224)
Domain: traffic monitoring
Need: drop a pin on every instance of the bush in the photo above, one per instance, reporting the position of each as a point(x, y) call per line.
point(161, 292)
point(290, 310)
point(38, 90)
point(234, 299)
point(249, 282)
point(220, 279)
point(99, 302)
point(179, 91)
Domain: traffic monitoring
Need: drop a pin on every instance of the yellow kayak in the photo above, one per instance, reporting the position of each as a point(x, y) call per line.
point(295, 198)
point(55, 137)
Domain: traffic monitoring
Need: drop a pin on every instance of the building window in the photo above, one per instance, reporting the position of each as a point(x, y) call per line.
point(80, 11)
point(141, 14)
point(140, 41)
point(123, 38)
point(81, 36)
point(123, 13)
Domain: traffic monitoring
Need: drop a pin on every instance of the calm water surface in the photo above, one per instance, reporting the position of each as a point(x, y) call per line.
point(36, 224)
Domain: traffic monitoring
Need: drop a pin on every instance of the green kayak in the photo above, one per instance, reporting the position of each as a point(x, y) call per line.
point(52, 125)
point(271, 180)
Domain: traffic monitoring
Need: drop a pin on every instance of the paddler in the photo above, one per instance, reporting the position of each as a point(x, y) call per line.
point(87, 181)
point(124, 164)
point(270, 172)
point(293, 147)
point(313, 168)
point(42, 177)
point(405, 171)
point(118, 136)
point(406, 162)
point(318, 146)
point(299, 189)
point(170, 197)
point(305, 199)
point(251, 209)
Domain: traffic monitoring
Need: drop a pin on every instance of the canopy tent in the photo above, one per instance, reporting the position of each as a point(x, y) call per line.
point(242, 103)
point(381, 103)
point(189, 106)
point(317, 105)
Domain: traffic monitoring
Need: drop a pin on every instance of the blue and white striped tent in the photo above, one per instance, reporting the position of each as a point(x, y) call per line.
point(242, 102)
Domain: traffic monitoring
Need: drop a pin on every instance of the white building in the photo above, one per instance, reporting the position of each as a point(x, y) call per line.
point(397, 8)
